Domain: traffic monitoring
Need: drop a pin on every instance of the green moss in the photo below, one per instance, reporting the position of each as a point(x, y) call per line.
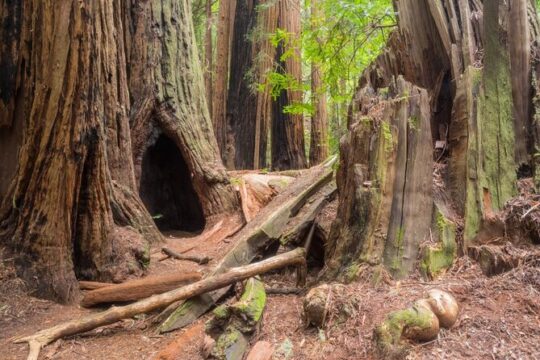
point(351, 273)
point(222, 312)
point(388, 138)
point(252, 302)
point(388, 334)
point(231, 345)
point(414, 123)
point(436, 259)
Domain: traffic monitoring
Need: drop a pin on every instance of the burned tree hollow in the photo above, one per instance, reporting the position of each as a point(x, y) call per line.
point(166, 188)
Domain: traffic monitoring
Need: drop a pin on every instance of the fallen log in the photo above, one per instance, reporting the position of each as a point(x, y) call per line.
point(254, 238)
point(44, 337)
point(138, 289)
point(201, 260)
point(93, 285)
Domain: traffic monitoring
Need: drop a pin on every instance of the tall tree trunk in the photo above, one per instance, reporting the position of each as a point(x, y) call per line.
point(242, 96)
point(208, 55)
point(224, 33)
point(318, 150)
point(288, 146)
point(70, 210)
point(170, 115)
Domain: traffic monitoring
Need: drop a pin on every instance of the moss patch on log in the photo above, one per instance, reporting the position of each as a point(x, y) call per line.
point(440, 257)
point(388, 335)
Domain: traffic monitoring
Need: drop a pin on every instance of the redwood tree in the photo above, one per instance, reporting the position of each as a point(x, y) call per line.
point(288, 147)
point(72, 209)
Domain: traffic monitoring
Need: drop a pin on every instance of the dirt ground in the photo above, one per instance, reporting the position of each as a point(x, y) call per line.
point(499, 317)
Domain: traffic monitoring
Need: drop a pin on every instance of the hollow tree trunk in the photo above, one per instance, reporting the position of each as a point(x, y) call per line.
point(288, 148)
point(169, 111)
point(318, 150)
point(70, 210)
point(438, 47)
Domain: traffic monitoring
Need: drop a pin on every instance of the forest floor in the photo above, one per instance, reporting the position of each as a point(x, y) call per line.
point(499, 317)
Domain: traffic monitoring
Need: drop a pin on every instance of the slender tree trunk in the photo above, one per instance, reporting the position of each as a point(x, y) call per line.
point(288, 147)
point(242, 95)
point(66, 213)
point(224, 33)
point(318, 150)
point(208, 55)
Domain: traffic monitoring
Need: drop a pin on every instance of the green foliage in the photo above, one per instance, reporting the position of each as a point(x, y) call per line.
point(343, 38)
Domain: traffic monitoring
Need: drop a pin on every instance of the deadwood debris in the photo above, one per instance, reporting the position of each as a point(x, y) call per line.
point(44, 337)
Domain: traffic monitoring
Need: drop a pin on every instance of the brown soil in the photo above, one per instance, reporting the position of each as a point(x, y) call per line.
point(499, 318)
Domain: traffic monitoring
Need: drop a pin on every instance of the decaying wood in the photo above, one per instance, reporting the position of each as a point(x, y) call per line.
point(232, 325)
point(304, 221)
point(266, 229)
point(138, 289)
point(92, 321)
point(176, 348)
point(201, 260)
point(262, 350)
point(385, 180)
point(495, 260)
point(93, 285)
point(283, 291)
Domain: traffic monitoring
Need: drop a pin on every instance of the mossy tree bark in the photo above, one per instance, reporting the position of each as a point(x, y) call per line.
point(71, 210)
point(439, 47)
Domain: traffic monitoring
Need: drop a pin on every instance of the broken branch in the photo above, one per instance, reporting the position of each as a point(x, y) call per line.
point(201, 260)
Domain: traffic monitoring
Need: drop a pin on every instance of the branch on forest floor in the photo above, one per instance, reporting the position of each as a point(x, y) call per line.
point(114, 314)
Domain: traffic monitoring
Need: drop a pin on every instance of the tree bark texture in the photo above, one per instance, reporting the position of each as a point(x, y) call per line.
point(474, 61)
point(169, 99)
point(318, 149)
point(219, 101)
point(288, 148)
point(208, 55)
point(64, 214)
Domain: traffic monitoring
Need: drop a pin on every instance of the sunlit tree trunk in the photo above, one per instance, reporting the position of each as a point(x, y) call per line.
point(219, 100)
point(288, 145)
point(318, 150)
point(208, 55)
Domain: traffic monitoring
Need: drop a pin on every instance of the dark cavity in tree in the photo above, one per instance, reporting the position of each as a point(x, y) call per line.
point(442, 116)
point(166, 188)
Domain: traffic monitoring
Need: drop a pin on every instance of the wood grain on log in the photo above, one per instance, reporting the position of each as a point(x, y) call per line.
point(138, 289)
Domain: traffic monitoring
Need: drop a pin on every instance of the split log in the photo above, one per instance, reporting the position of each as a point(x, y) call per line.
point(93, 285)
point(262, 350)
point(92, 321)
point(201, 260)
point(263, 231)
point(138, 289)
point(297, 234)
